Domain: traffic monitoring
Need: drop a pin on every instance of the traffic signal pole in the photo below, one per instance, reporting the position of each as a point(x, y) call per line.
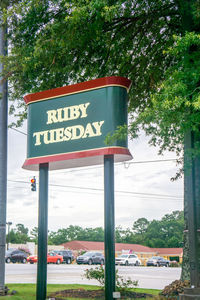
point(3, 154)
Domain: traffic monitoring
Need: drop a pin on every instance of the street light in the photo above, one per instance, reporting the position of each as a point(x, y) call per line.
point(9, 224)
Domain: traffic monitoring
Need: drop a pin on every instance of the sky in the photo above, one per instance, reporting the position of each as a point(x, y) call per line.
point(142, 189)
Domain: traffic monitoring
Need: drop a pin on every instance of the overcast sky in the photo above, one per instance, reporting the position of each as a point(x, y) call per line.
point(141, 189)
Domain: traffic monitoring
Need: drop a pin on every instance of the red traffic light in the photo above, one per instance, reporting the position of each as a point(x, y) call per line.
point(33, 184)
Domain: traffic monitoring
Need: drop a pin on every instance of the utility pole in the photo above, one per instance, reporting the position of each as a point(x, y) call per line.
point(3, 151)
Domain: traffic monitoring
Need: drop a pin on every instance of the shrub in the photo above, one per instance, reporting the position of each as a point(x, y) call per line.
point(96, 273)
point(174, 264)
point(122, 284)
point(175, 288)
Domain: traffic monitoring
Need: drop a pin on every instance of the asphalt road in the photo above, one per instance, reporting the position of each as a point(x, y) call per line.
point(148, 277)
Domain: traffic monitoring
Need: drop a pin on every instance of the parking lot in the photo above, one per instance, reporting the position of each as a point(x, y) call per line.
point(148, 277)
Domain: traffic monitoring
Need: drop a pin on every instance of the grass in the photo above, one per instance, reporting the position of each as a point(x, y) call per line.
point(28, 291)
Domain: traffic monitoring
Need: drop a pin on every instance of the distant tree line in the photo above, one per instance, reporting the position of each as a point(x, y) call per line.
point(167, 233)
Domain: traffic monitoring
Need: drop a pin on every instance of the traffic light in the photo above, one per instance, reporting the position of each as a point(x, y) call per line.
point(33, 184)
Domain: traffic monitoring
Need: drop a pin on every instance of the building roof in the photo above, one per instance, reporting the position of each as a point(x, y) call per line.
point(169, 251)
point(99, 246)
point(83, 245)
point(133, 247)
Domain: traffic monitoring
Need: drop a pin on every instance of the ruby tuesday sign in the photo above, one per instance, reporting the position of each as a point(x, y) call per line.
point(67, 126)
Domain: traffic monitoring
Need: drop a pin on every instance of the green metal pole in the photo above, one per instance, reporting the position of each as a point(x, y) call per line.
point(42, 233)
point(109, 226)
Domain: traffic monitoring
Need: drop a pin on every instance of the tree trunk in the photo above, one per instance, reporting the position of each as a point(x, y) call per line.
point(191, 263)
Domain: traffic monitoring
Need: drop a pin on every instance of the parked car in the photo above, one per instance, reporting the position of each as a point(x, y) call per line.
point(158, 261)
point(90, 258)
point(51, 258)
point(15, 255)
point(128, 259)
point(67, 255)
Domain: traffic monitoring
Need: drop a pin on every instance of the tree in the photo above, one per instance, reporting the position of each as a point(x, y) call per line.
point(73, 41)
point(59, 237)
point(58, 42)
point(74, 232)
point(34, 235)
point(166, 233)
point(120, 234)
point(19, 235)
point(172, 228)
point(92, 234)
point(140, 226)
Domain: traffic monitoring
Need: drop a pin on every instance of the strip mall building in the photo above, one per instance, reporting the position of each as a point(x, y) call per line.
point(143, 252)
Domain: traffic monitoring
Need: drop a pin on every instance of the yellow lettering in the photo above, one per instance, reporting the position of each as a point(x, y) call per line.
point(51, 116)
point(83, 108)
point(59, 135)
point(37, 135)
point(88, 131)
point(52, 136)
point(66, 113)
point(46, 137)
point(74, 112)
point(77, 132)
point(69, 133)
point(97, 126)
point(59, 113)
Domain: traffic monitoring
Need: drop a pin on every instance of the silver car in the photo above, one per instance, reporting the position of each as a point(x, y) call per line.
point(158, 261)
point(90, 258)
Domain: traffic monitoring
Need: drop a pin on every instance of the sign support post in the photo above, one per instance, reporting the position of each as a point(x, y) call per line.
point(109, 226)
point(42, 232)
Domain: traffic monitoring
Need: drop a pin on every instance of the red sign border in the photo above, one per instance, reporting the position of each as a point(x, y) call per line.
point(120, 154)
point(78, 88)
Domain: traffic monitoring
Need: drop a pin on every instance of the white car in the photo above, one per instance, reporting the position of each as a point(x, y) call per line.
point(128, 259)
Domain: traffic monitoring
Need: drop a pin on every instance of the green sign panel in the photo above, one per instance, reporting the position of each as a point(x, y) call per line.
point(67, 126)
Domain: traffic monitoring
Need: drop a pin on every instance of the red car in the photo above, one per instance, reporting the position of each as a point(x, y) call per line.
point(51, 258)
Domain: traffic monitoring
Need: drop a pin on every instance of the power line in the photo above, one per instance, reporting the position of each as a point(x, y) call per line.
point(124, 192)
point(101, 190)
point(150, 161)
point(18, 130)
point(126, 165)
